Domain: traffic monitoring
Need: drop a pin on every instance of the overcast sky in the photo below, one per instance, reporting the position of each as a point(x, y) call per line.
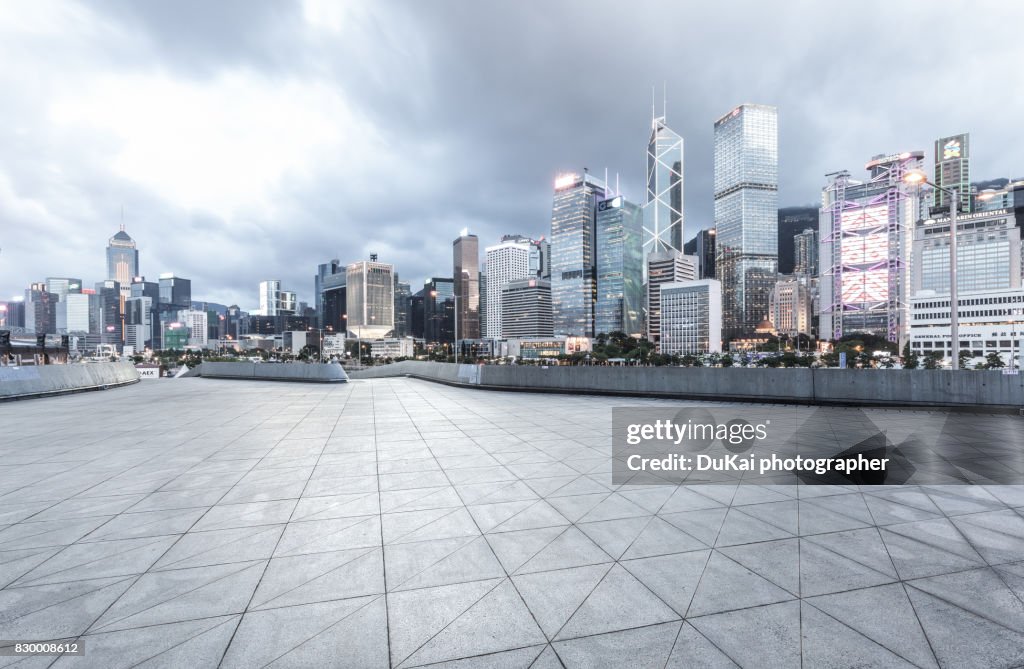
point(249, 140)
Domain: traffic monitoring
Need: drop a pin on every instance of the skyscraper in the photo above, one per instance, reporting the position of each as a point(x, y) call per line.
point(746, 188)
point(664, 267)
point(439, 311)
point(370, 297)
point(506, 261)
point(864, 249)
point(663, 209)
point(403, 293)
point(466, 275)
point(691, 317)
point(122, 261)
point(323, 271)
point(573, 285)
point(805, 252)
point(792, 222)
point(106, 316)
point(953, 170)
point(703, 246)
point(620, 269)
point(526, 308)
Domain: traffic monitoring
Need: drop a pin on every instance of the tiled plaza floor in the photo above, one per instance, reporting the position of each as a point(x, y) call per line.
point(202, 523)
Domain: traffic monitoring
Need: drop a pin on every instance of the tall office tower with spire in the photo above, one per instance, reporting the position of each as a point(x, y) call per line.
point(663, 209)
point(953, 170)
point(746, 186)
point(122, 261)
point(573, 284)
point(466, 276)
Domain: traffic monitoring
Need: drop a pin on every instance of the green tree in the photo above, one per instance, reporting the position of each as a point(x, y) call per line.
point(726, 360)
point(932, 359)
point(965, 358)
point(994, 361)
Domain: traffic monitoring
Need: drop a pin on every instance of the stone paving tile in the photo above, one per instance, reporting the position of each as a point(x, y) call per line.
point(397, 523)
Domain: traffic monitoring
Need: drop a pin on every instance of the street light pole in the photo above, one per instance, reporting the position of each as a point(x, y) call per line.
point(954, 308)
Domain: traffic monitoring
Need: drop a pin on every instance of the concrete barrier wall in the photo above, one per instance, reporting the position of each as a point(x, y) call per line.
point(901, 387)
point(253, 371)
point(36, 381)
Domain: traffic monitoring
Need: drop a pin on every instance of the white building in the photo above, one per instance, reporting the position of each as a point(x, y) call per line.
point(392, 348)
point(691, 317)
point(196, 322)
point(73, 313)
point(138, 328)
point(790, 306)
point(664, 267)
point(504, 262)
point(990, 321)
point(274, 301)
point(370, 298)
point(334, 345)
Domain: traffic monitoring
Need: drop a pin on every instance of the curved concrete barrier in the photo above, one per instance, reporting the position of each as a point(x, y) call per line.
point(282, 371)
point(845, 387)
point(30, 381)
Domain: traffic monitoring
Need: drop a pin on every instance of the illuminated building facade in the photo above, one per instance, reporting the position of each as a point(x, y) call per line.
point(466, 275)
point(864, 250)
point(988, 253)
point(746, 188)
point(573, 284)
point(953, 170)
point(620, 269)
point(122, 261)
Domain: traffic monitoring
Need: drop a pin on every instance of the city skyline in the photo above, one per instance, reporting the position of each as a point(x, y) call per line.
point(166, 136)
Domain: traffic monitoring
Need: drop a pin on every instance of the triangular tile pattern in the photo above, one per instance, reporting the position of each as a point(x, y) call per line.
point(396, 523)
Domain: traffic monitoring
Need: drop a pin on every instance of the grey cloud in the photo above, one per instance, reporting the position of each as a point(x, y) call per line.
point(480, 104)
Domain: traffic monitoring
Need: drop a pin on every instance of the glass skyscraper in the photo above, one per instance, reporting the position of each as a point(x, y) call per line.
point(746, 188)
point(663, 209)
point(122, 260)
point(573, 285)
point(466, 276)
point(620, 267)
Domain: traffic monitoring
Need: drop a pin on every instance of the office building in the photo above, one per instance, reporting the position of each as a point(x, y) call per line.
point(138, 322)
point(334, 302)
point(403, 294)
point(60, 287)
point(105, 310)
point(663, 208)
point(73, 313)
point(691, 317)
point(988, 253)
point(122, 261)
point(12, 314)
point(952, 170)
point(526, 308)
point(791, 307)
point(439, 311)
point(417, 317)
point(702, 245)
point(989, 321)
point(483, 301)
point(324, 270)
point(507, 261)
point(664, 267)
point(864, 249)
point(746, 185)
point(175, 292)
point(793, 221)
point(573, 285)
point(276, 302)
point(619, 267)
point(466, 274)
point(370, 298)
point(393, 347)
point(40, 310)
point(805, 252)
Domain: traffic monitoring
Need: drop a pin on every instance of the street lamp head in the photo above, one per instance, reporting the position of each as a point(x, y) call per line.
point(915, 177)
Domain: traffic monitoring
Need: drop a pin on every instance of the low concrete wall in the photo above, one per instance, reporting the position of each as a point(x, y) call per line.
point(39, 381)
point(280, 371)
point(867, 387)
